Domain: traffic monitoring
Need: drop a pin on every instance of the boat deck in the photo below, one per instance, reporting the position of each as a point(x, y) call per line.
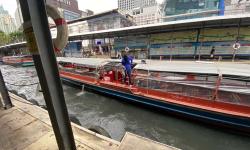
point(28, 127)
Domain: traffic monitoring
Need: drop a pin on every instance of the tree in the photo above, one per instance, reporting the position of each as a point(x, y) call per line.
point(4, 39)
point(13, 37)
point(16, 36)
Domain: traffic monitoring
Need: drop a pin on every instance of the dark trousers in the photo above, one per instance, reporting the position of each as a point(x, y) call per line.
point(127, 74)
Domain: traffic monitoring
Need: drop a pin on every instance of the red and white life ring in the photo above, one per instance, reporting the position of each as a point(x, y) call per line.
point(127, 49)
point(236, 46)
point(62, 28)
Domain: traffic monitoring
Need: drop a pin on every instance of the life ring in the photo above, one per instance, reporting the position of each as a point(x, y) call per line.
point(236, 46)
point(99, 130)
point(62, 29)
point(127, 49)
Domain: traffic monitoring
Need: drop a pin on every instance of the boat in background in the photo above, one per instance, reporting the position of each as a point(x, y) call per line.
point(208, 92)
point(24, 60)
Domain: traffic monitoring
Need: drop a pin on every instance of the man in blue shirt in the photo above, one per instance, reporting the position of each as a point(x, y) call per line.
point(127, 62)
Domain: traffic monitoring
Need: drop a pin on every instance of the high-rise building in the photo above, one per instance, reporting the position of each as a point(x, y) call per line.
point(143, 11)
point(7, 23)
point(126, 4)
point(68, 9)
point(18, 15)
point(237, 7)
point(186, 9)
point(131, 4)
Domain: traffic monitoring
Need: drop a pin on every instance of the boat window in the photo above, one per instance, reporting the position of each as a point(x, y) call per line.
point(208, 87)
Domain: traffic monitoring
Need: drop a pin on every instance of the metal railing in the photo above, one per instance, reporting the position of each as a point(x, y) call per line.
point(207, 87)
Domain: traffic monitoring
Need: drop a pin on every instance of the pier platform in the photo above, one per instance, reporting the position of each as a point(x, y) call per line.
point(27, 127)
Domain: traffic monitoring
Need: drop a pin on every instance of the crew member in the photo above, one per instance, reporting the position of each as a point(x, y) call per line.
point(212, 52)
point(127, 63)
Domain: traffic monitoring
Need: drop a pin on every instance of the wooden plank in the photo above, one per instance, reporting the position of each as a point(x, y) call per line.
point(93, 140)
point(19, 130)
point(135, 142)
point(46, 142)
point(3, 111)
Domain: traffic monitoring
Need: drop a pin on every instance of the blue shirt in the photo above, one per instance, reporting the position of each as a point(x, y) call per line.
point(127, 64)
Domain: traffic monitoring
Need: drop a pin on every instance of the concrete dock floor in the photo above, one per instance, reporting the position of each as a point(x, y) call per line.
point(28, 127)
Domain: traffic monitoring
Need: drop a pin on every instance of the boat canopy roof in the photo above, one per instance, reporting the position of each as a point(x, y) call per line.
point(94, 62)
point(238, 69)
point(198, 67)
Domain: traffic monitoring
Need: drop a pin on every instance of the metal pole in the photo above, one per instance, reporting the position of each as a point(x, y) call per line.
point(56, 107)
point(237, 40)
point(171, 48)
point(148, 47)
point(201, 44)
point(197, 42)
point(4, 93)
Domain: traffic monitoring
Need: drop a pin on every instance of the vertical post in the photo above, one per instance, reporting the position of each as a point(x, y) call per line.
point(4, 93)
point(237, 41)
point(52, 91)
point(71, 55)
point(197, 42)
point(217, 86)
point(109, 47)
point(171, 48)
point(221, 7)
point(148, 46)
point(201, 43)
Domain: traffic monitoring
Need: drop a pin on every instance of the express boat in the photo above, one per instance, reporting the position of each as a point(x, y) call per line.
point(214, 93)
point(23, 60)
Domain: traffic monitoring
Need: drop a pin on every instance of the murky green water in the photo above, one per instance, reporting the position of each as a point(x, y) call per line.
point(118, 117)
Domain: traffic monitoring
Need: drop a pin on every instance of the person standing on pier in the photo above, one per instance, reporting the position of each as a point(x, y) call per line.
point(212, 52)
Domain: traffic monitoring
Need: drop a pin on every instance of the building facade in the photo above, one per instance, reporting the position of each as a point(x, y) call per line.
point(237, 7)
point(112, 19)
point(68, 9)
point(131, 4)
point(7, 23)
point(187, 9)
point(143, 11)
point(147, 15)
point(126, 4)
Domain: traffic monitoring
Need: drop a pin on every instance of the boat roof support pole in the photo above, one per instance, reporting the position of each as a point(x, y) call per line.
point(4, 94)
point(236, 40)
point(201, 40)
point(34, 13)
point(148, 46)
point(197, 42)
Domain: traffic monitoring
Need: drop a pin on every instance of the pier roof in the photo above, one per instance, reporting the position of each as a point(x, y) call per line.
point(180, 25)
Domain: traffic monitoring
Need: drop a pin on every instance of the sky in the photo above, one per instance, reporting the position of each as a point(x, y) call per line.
point(9, 5)
point(95, 5)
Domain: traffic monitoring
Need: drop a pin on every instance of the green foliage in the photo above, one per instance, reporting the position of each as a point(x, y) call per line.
point(13, 37)
point(16, 36)
point(3, 38)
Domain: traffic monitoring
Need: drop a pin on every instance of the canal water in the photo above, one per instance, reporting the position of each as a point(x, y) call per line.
point(118, 117)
